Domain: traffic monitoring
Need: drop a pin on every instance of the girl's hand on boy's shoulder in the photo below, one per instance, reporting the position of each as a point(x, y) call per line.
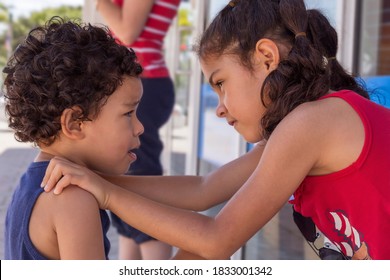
point(62, 173)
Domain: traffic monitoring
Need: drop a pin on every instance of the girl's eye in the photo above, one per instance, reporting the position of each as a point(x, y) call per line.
point(218, 84)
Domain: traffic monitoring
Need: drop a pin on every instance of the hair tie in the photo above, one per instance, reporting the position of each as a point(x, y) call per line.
point(300, 34)
point(232, 3)
point(327, 60)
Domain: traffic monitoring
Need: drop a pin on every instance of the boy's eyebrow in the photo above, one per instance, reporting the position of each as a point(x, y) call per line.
point(131, 104)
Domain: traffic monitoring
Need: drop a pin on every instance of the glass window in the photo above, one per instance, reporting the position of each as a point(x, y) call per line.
point(328, 8)
point(218, 142)
point(175, 134)
point(374, 54)
point(373, 60)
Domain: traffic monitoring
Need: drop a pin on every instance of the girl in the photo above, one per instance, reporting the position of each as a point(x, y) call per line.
point(273, 66)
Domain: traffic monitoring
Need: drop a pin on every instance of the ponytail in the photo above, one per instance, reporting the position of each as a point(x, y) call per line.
point(301, 76)
point(324, 38)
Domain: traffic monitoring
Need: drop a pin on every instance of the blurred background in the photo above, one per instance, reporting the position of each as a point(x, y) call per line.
point(195, 140)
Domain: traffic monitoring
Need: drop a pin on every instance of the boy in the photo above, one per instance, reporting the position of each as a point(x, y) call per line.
point(72, 91)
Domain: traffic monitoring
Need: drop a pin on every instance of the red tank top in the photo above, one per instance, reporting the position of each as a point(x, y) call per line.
point(149, 45)
point(352, 206)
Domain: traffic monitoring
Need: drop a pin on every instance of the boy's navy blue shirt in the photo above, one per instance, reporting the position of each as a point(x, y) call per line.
point(18, 245)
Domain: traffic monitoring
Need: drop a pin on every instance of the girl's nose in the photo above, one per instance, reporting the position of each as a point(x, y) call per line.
point(220, 110)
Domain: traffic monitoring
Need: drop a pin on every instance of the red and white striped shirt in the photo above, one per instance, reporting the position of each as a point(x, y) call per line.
point(149, 45)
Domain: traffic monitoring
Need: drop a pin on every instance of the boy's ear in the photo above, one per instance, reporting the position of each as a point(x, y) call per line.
point(267, 54)
point(71, 125)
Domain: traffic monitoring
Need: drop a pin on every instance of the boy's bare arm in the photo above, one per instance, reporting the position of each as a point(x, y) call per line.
point(78, 226)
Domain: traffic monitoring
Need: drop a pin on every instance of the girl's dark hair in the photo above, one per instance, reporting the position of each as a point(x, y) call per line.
point(61, 65)
point(305, 73)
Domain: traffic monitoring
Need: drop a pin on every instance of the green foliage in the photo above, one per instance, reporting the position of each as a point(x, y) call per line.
point(21, 26)
point(3, 13)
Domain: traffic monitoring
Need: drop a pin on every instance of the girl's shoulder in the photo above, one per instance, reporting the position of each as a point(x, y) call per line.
point(334, 126)
point(330, 107)
point(324, 121)
point(313, 113)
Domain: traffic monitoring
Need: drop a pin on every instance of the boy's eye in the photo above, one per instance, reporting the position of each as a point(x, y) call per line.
point(128, 114)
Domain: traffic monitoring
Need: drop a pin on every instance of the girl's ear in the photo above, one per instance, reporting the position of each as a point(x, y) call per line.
point(267, 54)
point(71, 125)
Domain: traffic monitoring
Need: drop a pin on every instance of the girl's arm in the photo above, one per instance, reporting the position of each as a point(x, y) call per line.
point(196, 193)
point(189, 192)
point(184, 255)
point(128, 21)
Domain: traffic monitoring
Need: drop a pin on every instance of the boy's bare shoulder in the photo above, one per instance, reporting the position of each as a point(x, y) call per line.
point(74, 196)
point(75, 213)
point(73, 202)
point(70, 212)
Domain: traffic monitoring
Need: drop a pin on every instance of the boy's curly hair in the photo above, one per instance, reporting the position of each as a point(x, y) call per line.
point(61, 65)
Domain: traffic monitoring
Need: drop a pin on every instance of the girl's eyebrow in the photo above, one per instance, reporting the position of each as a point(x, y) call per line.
point(211, 82)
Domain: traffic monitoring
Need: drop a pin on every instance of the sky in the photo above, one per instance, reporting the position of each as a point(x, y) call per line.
point(25, 7)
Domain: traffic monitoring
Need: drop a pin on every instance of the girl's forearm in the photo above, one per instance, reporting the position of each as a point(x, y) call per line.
point(196, 193)
point(178, 191)
point(160, 221)
point(184, 255)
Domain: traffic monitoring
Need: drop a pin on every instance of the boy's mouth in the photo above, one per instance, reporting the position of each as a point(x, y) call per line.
point(132, 154)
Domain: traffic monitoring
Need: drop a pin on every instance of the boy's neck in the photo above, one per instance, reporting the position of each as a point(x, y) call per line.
point(60, 149)
point(43, 156)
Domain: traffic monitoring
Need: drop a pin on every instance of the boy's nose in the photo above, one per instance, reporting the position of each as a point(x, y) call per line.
point(139, 128)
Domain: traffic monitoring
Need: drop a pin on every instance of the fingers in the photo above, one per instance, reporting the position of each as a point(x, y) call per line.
point(62, 173)
point(48, 174)
point(56, 175)
point(62, 183)
point(53, 177)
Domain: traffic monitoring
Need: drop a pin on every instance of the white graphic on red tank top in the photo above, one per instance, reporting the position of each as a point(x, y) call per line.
point(352, 239)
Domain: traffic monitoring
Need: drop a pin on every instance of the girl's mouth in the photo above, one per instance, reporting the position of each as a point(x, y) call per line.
point(231, 123)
